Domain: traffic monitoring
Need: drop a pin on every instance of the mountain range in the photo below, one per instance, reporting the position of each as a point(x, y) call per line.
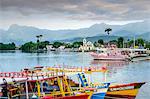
point(21, 34)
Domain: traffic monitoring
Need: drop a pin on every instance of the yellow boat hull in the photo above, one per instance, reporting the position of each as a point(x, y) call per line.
point(128, 91)
point(125, 93)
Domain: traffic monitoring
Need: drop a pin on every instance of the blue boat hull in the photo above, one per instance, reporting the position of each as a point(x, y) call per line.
point(98, 96)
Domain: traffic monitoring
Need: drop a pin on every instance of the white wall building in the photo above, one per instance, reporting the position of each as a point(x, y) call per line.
point(49, 47)
point(87, 46)
point(62, 47)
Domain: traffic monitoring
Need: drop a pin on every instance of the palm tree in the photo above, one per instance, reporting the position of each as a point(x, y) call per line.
point(38, 41)
point(108, 30)
point(40, 36)
point(37, 38)
point(120, 42)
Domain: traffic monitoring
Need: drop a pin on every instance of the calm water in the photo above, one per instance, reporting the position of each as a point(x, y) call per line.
point(120, 72)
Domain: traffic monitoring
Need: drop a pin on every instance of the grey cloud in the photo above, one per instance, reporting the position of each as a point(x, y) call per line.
point(80, 9)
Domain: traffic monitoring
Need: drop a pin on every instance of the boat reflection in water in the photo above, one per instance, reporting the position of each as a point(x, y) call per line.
point(109, 63)
point(111, 66)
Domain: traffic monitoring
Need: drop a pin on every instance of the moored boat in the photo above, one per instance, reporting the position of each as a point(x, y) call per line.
point(135, 53)
point(60, 86)
point(128, 91)
point(56, 87)
point(110, 56)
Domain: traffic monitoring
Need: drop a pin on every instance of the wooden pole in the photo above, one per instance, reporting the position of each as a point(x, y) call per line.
point(38, 89)
point(27, 94)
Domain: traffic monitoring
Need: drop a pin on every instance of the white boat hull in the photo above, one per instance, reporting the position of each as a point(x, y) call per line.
point(113, 58)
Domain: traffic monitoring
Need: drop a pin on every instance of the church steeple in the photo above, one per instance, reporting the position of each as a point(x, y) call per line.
point(84, 41)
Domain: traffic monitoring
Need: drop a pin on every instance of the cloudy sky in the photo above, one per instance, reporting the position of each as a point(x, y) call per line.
point(71, 14)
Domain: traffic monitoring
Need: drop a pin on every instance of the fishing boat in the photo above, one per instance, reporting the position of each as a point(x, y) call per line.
point(128, 91)
point(55, 85)
point(111, 53)
point(45, 88)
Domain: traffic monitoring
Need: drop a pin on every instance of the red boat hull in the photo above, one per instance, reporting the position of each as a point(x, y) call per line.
point(67, 97)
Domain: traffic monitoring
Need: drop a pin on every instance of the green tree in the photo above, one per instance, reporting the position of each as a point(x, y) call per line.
point(29, 46)
point(10, 46)
point(130, 43)
point(77, 44)
point(57, 44)
point(42, 45)
point(120, 42)
point(140, 41)
point(147, 45)
point(100, 41)
point(113, 42)
point(68, 45)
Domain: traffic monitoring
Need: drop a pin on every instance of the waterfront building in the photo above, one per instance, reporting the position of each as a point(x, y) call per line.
point(61, 47)
point(87, 46)
point(50, 47)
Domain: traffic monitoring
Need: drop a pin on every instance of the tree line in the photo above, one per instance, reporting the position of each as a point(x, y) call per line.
point(120, 42)
point(10, 46)
point(31, 46)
